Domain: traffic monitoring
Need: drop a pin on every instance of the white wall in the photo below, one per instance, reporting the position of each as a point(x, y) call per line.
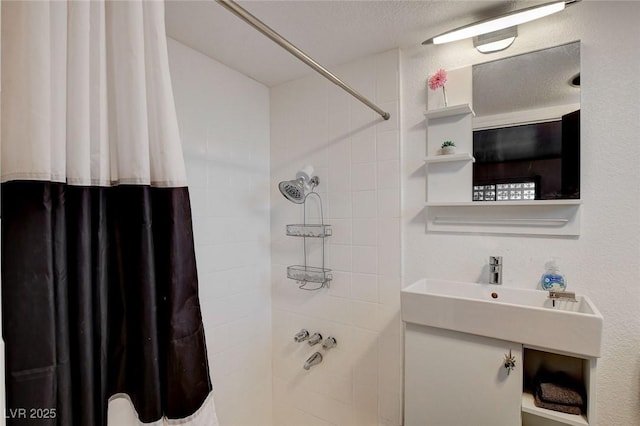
point(604, 262)
point(224, 124)
point(356, 156)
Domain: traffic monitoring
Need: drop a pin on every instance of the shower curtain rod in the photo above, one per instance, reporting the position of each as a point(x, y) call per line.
point(269, 32)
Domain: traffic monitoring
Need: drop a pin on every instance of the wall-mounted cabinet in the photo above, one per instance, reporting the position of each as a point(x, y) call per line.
point(449, 192)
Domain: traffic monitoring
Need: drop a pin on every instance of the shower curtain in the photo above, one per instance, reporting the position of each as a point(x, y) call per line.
point(100, 310)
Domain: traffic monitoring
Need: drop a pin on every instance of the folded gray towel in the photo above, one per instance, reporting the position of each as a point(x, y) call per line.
point(569, 409)
point(559, 388)
point(560, 394)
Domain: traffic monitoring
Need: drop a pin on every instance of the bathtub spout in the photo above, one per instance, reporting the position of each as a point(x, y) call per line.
point(314, 359)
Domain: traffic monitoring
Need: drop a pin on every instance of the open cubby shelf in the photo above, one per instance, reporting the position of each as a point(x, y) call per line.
point(580, 369)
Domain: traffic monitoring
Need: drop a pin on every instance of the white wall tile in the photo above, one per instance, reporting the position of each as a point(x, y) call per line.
point(366, 405)
point(365, 204)
point(361, 117)
point(388, 145)
point(390, 405)
point(363, 145)
point(389, 290)
point(221, 139)
point(387, 71)
point(393, 122)
point(365, 232)
point(340, 285)
point(365, 259)
point(339, 257)
point(361, 304)
point(198, 198)
point(365, 315)
point(388, 261)
point(339, 119)
point(363, 177)
point(341, 231)
point(339, 205)
point(365, 287)
point(388, 175)
point(339, 172)
point(389, 203)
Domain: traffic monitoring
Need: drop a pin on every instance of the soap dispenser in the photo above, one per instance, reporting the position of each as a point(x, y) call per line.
point(552, 279)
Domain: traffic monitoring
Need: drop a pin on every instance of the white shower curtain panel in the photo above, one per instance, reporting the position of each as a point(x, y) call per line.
point(90, 94)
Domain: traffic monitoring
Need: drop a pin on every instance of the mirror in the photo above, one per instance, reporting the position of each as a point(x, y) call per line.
point(526, 138)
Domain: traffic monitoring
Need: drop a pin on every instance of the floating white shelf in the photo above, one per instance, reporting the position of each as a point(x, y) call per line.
point(531, 217)
point(449, 176)
point(528, 406)
point(463, 156)
point(524, 203)
point(449, 111)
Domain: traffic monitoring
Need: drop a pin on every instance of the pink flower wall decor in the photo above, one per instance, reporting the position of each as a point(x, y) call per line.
point(438, 80)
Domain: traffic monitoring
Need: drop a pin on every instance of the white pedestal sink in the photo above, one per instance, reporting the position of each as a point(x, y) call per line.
point(511, 314)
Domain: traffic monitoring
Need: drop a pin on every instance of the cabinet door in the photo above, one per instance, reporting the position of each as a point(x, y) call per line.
point(457, 379)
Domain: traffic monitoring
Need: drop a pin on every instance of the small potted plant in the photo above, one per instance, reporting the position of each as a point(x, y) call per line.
point(448, 147)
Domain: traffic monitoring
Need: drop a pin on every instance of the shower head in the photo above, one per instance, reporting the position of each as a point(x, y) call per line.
point(295, 190)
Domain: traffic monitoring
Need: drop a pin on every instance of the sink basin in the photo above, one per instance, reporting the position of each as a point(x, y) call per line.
point(518, 315)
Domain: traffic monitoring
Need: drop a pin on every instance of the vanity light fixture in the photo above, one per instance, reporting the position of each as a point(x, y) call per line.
point(501, 22)
point(495, 41)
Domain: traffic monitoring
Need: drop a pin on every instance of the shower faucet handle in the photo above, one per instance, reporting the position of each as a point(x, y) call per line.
point(315, 339)
point(301, 336)
point(330, 342)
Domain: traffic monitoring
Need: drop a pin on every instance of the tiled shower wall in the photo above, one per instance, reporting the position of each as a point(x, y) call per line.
point(356, 156)
point(224, 124)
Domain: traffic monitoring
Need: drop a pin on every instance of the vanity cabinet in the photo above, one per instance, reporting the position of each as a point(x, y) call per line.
point(454, 378)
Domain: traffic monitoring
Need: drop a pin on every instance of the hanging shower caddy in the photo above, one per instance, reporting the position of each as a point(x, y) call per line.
point(304, 273)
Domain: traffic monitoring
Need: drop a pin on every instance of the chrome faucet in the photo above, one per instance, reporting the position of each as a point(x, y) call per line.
point(495, 269)
point(314, 359)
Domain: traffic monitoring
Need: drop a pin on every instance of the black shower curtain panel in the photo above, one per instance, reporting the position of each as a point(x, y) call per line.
point(100, 312)
point(99, 298)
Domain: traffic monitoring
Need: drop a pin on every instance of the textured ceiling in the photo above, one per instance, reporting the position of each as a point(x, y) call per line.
point(331, 32)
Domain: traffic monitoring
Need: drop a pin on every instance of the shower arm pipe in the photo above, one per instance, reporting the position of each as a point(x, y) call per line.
point(284, 43)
